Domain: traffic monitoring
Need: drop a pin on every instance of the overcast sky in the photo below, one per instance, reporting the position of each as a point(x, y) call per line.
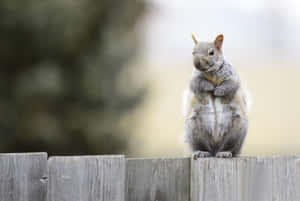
point(251, 27)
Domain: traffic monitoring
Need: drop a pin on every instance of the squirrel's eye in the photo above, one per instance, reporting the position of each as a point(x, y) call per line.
point(211, 52)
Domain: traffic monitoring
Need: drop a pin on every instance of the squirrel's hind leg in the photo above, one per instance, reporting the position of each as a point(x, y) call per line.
point(200, 149)
point(224, 154)
point(236, 137)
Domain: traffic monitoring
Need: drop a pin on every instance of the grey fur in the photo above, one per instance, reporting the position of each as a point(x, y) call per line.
point(218, 120)
point(226, 84)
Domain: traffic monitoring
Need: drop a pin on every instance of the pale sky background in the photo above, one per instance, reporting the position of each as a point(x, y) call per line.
point(253, 29)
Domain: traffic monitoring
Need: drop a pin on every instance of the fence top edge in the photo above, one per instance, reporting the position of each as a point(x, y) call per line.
point(269, 157)
point(25, 154)
point(159, 158)
point(251, 158)
point(214, 158)
point(148, 158)
point(87, 157)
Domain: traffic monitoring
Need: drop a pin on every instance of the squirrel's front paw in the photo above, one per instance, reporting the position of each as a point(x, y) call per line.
point(219, 92)
point(199, 86)
point(206, 86)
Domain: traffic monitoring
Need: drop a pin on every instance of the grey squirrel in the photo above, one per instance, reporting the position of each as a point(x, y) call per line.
point(216, 105)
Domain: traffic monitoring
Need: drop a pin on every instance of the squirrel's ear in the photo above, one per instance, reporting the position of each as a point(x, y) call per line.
point(219, 41)
point(194, 39)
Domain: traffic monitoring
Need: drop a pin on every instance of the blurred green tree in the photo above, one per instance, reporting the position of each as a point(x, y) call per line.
point(61, 62)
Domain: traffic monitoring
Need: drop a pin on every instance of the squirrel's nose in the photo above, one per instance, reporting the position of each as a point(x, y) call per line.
point(203, 61)
point(197, 64)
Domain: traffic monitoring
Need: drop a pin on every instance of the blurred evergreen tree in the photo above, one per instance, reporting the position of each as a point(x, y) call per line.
point(60, 70)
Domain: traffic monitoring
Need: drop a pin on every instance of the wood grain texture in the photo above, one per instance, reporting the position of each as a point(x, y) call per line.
point(86, 178)
point(245, 179)
point(23, 177)
point(286, 178)
point(157, 179)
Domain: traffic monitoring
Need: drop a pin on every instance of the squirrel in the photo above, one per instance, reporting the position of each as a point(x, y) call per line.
point(215, 104)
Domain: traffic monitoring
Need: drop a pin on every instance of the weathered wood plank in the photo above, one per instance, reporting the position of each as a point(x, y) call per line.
point(23, 177)
point(286, 179)
point(86, 178)
point(245, 179)
point(157, 179)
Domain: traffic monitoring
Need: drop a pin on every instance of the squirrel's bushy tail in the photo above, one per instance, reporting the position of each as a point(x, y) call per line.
point(247, 100)
point(186, 99)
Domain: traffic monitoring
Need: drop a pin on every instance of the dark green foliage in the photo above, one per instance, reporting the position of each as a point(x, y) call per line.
point(59, 77)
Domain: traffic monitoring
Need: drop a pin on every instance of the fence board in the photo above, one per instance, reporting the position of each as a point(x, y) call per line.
point(245, 179)
point(23, 177)
point(157, 179)
point(286, 179)
point(86, 178)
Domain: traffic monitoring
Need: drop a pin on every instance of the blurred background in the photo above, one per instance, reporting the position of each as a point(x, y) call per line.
point(105, 77)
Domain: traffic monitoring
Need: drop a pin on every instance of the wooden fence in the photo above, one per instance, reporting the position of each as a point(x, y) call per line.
point(34, 177)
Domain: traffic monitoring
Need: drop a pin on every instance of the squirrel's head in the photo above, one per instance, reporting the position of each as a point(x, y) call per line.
point(208, 55)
